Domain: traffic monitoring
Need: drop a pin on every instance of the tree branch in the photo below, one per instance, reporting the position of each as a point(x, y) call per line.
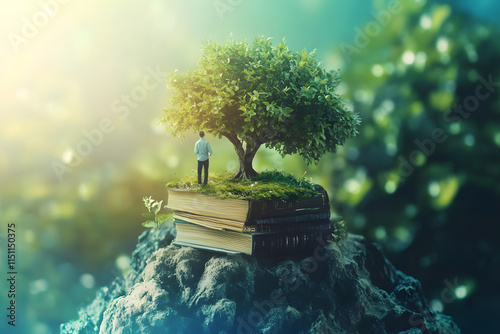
point(251, 151)
point(252, 147)
point(233, 138)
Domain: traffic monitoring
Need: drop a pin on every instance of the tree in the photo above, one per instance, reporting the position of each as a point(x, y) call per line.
point(261, 94)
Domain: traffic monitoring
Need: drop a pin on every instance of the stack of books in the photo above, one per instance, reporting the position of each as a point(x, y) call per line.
point(249, 226)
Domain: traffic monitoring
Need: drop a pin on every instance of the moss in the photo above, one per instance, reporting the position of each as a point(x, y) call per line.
point(273, 185)
point(339, 231)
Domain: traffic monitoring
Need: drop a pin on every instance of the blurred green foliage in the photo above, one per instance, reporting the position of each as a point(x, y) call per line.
point(424, 173)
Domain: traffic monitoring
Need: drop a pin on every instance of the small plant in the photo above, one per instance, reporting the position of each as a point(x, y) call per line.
point(339, 231)
point(155, 219)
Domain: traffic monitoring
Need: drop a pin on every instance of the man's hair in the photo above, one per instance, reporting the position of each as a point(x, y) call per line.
point(202, 134)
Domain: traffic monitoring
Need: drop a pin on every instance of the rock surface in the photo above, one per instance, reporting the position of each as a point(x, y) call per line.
point(348, 287)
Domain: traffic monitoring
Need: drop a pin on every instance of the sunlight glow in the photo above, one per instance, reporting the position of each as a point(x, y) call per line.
point(40, 285)
point(442, 44)
point(353, 186)
point(420, 59)
point(67, 156)
point(380, 232)
point(377, 70)
point(172, 161)
point(437, 305)
point(390, 187)
point(469, 140)
point(408, 57)
point(122, 262)
point(425, 21)
point(87, 280)
point(497, 138)
point(434, 189)
point(461, 292)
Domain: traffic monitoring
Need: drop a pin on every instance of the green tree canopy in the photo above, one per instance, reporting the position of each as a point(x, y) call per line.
point(261, 94)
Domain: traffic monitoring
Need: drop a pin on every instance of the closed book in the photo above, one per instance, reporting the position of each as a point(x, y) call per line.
point(254, 243)
point(260, 225)
point(191, 205)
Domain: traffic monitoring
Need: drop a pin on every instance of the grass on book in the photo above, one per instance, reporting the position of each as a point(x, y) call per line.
point(268, 185)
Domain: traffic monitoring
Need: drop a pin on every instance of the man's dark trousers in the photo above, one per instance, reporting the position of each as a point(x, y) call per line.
point(201, 165)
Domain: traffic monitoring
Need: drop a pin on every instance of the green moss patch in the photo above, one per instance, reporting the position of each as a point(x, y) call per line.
point(273, 185)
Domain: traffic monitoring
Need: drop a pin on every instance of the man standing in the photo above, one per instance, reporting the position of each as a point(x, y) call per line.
point(202, 149)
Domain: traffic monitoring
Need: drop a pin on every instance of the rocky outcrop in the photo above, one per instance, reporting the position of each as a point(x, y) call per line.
point(348, 287)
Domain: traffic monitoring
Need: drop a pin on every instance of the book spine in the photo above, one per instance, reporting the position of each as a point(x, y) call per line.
point(266, 209)
point(273, 228)
point(288, 243)
point(298, 218)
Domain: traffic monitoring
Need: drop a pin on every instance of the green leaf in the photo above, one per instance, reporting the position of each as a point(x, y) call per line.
point(150, 224)
point(164, 217)
point(158, 206)
point(148, 215)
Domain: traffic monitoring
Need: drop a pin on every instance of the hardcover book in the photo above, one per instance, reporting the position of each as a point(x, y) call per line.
point(240, 215)
point(254, 243)
point(262, 225)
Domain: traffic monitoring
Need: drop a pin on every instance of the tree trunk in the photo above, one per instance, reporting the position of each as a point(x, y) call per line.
point(245, 157)
point(246, 170)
